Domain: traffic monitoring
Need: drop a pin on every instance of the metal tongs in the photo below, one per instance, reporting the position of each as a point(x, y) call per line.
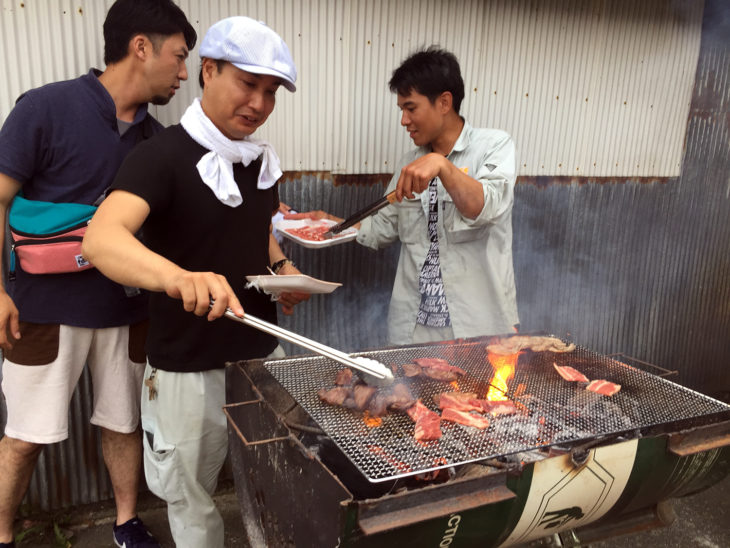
point(360, 215)
point(372, 371)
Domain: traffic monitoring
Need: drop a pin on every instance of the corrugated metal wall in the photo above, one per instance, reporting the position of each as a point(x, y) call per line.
point(589, 88)
point(620, 264)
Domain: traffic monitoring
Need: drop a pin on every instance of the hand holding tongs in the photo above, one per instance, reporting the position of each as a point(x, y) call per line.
point(360, 215)
point(373, 371)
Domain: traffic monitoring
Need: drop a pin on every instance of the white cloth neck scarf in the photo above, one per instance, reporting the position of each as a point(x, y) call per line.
point(216, 167)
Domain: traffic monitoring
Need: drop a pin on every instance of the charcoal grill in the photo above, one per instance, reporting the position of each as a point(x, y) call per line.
point(309, 474)
point(556, 411)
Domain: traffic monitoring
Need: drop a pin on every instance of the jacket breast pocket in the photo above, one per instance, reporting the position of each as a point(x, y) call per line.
point(411, 221)
point(458, 229)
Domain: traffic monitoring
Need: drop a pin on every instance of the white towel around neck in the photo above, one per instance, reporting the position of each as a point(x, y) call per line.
point(216, 167)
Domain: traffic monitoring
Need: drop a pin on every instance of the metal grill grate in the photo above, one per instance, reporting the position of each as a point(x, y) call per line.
point(555, 411)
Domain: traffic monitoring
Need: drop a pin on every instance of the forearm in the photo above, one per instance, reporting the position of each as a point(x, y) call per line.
point(466, 192)
point(120, 256)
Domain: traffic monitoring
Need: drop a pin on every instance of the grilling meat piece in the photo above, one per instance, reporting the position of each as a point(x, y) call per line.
point(439, 369)
point(411, 369)
point(361, 395)
point(603, 387)
point(468, 401)
point(511, 345)
point(396, 397)
point(461, 401)
point(428, 423)
point(496, 408)
point(334, 396)
point(570, 374)
point(465, 418)
point(344, 377)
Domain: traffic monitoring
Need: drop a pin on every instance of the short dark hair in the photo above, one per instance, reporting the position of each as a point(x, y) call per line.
point(429, 72)
point(153, 18)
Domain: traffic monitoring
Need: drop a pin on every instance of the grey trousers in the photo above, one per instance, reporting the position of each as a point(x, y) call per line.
point(185, 445)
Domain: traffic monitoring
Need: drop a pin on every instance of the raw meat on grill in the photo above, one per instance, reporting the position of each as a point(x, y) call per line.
point(465, 418)
point(462, 401)
point(570, 374)
point(496, 408)
point(603, 387)
point(512, 345)
point(334, 396)
point(344, 377)
point(428, 423)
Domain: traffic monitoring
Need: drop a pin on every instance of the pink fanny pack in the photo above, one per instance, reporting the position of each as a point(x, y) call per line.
point(47, 236)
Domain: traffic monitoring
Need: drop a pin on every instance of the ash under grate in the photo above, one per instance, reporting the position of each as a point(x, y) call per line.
point(555, 411)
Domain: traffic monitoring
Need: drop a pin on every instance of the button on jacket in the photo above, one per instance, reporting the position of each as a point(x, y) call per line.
point(475, 254)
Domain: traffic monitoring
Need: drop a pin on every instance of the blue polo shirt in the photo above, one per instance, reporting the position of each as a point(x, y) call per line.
point(62, 143)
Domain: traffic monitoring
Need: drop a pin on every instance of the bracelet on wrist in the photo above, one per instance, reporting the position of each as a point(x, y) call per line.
point(278, 265)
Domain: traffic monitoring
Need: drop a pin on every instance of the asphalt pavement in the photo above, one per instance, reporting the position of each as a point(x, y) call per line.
point(703, 521)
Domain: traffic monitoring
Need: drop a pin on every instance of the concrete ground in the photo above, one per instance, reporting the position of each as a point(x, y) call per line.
point(703, 521)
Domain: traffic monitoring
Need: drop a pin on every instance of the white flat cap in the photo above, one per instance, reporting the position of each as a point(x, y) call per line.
point(251, 46)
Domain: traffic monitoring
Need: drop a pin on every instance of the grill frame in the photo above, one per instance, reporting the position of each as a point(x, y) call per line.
point(389, 452)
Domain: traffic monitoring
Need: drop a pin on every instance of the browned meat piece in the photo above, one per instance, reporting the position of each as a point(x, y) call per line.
point(440, 374)
point(344, 377)
point(334, 396)
point(511, 345)
point(361, 394)
point(465, 418)
point(428, 423)
point(411, 369)
point(439, 364)
point(396, 397)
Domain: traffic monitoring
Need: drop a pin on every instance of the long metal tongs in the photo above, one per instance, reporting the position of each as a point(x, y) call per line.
point(373, 371)
point(360, 215)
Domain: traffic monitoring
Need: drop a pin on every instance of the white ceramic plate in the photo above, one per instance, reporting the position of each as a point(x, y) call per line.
point(299, 282)
point(344, 236)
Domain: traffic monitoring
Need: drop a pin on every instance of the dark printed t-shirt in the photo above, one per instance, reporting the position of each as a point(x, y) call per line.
point(188, 225)
point(62, 143)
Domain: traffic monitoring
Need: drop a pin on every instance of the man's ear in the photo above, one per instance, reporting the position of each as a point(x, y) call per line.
point(208, 67)
point(445, 102)
point(140, 46)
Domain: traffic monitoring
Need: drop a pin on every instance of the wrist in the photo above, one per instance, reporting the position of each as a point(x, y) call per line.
point(278, 265)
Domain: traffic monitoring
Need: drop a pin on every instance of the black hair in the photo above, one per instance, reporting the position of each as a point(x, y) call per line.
point(429, 72)
point(156, 19)
point(218, 63)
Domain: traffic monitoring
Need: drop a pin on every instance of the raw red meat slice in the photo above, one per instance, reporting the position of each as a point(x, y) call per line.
point(461, 401)
point(344, 377)
point(570, 374)
point(314, 233)
point(603, 387)
point(495, 408)
point(428, 423)
point(465, 418)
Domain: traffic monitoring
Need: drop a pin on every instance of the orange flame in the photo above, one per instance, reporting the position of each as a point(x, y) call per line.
point(504, 370)
point(455, 386)
point(370, 421)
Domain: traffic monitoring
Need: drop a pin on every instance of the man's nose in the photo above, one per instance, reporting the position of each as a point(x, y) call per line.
point(404, 119)
point(183, 73)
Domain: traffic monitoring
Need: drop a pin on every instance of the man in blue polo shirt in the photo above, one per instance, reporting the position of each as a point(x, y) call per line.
point(64, 142)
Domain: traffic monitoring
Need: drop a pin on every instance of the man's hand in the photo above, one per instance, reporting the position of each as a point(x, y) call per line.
point(289, 300)
point(196, 289)
point(414, 177)
point(9, 323)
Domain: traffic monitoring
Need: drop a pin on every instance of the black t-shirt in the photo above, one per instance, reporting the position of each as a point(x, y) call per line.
point(188, 225)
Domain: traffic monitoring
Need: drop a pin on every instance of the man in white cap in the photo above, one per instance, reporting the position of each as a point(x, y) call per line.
point(203, 191)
